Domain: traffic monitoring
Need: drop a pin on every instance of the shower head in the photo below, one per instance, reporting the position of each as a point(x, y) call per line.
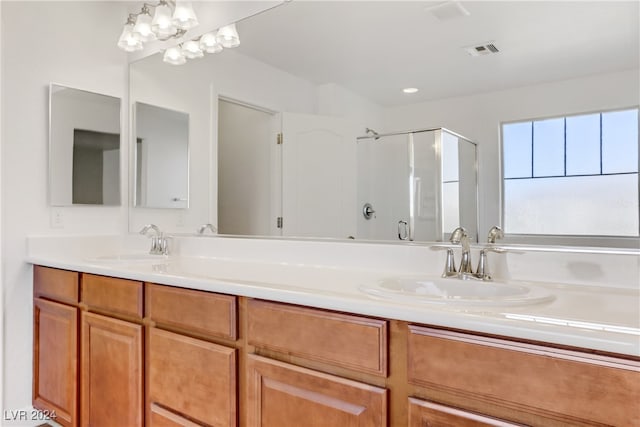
point(372, 132)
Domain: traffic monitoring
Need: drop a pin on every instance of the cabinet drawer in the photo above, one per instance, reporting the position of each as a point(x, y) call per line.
point(203, 312)
point(429, 414)
point(353, 342)
point(279, 394)
point(114, 296)
point(568, 386)
point(54, 284)
point(160, 417)
point(191, 377)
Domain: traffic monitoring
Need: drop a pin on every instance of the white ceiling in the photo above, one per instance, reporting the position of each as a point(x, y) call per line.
point(376, 48)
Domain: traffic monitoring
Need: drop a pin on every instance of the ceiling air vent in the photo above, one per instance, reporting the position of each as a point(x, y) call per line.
point(481, 49)
point(447, 10)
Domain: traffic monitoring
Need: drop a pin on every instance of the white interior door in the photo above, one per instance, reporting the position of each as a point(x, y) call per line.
point(318, 176)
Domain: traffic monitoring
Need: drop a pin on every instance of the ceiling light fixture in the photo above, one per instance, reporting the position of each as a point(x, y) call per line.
point(172, 19)
point(410, 90)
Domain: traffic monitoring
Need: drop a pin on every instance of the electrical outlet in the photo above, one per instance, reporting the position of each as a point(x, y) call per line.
point(181, 219)
point(57, 218)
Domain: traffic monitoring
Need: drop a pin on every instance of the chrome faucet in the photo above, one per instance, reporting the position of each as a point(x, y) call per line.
point(159, 243)
point(206, 227)
point(482, 272)
point(460, 236)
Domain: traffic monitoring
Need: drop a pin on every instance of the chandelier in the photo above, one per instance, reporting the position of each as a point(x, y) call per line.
point(171, 20)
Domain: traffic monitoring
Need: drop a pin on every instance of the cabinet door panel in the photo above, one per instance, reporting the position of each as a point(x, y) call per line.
point(429, 414)
point(111, 372)
point(55, 360)
point(192, 377)
point(279, 394)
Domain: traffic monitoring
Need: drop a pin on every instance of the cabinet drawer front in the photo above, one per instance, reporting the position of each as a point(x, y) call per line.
point(568, 386)
point(58, 285)
point(197, 311)
point(160, 417)
point(429, 414)
point(55, 360)
point(354, 342)
point(279, 394)
point(192, 377)
point(114, 296)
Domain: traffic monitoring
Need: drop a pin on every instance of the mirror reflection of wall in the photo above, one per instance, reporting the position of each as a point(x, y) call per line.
point(307, 67)
point(247, 174)
point(162, 157)
point(84, 148)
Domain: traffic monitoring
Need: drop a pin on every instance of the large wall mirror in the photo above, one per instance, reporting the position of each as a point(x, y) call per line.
point(84, 147)
point(330, 79)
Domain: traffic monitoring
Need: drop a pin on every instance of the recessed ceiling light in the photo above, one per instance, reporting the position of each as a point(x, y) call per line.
point(410, 89)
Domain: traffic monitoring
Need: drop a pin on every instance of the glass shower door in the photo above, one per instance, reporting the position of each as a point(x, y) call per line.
point(383, 174)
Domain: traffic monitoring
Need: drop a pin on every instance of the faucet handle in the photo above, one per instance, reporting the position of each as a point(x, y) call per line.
point(450, 265)
point(494, 234)
point(145, 230)
point(206, 227)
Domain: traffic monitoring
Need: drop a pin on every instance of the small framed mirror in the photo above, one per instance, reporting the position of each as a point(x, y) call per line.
point(161, 157)
point(84, 147)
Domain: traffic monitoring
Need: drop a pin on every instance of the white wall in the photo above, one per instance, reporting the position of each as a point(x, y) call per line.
point(478, 117)
point(45, 42)
point(334, 100)
point(2, 406)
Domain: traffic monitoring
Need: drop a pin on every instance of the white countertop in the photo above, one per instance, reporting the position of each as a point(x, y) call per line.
point(604, 318)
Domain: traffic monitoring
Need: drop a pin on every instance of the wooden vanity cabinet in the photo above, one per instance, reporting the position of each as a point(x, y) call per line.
point(423, 413)
point(55, 344)
point(111, 372)
point(111, 345)
point(286, 394)
point(190, 380)
point(529, 383)
point(280, 394)
point(155, 355)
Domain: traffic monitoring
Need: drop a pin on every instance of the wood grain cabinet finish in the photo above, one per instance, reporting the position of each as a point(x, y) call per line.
point(160, 417)
point(205, 313)
point(191, 378)
point(57, 285)
point(111, 372)
point(279, 394)
point(571, 387)
point(55, 360)
point(349, 341)
point(428, 414)
point(109, 295)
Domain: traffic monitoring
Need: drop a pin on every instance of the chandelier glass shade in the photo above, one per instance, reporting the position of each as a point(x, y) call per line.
point(171, 20)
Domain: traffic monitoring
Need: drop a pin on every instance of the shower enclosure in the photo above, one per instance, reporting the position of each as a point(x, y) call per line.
point(416, 185)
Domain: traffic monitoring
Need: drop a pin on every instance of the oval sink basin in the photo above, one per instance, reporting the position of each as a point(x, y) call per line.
point(456, 292)
point(129, 258)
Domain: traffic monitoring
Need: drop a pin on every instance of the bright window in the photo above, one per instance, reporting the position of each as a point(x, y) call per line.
point(575, 175)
